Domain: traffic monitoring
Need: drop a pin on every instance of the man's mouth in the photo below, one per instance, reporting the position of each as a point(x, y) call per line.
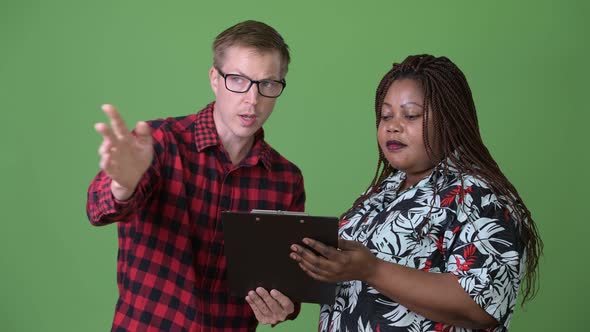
point(248, 119)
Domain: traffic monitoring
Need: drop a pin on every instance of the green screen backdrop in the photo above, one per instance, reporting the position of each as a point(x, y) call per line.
point(526, 61)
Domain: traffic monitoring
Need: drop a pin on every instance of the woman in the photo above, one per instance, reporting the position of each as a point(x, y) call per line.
point(441, 239)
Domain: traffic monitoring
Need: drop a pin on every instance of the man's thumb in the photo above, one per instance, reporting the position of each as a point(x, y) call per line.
point(143, 132)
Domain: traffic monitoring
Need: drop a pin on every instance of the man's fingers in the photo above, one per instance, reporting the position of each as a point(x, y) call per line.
point(143, 129)
point(117, 122)
point(143, 133)
point(271, 303)
point(105, 131)
point(259, 303)
point(261, 318)
point(105, 146)
point(283, 301)
point(105, 163)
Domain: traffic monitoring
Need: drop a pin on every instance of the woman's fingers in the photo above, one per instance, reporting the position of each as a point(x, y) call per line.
point(324, 250)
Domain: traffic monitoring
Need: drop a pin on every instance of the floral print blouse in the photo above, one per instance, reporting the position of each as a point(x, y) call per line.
point(443, 224)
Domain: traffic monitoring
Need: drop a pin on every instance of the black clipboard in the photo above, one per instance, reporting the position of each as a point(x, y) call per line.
point(257, 248)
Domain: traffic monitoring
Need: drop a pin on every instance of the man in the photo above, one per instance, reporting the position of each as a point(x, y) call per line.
point(168, 181)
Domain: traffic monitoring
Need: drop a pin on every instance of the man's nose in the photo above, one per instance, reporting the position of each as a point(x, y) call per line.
point(252, 95)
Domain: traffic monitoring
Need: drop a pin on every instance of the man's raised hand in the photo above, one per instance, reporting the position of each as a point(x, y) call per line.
point(124, 157)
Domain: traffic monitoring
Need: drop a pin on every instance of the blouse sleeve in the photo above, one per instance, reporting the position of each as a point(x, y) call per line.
point(484, 255)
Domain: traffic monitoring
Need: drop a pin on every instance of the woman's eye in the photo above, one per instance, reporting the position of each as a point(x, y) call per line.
point(412, 117)
point(386, 117)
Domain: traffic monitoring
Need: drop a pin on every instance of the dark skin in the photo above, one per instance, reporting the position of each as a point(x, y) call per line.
point(437, 296)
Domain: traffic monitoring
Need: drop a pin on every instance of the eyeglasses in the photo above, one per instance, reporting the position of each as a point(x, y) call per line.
point(241, 84)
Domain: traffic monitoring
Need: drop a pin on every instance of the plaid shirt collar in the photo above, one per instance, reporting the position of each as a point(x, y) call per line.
point(206, 136)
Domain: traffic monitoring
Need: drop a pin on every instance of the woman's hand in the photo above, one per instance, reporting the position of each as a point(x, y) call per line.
point(351, 261)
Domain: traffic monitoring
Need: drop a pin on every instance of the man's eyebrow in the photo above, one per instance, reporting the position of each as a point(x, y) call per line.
point(239, 72)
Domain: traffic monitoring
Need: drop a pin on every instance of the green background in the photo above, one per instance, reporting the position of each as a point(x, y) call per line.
point(527, 63)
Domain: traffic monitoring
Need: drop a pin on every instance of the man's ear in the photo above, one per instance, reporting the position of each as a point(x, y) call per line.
point(214, 80)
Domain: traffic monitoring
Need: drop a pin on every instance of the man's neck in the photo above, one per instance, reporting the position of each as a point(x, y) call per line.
point(237, 149)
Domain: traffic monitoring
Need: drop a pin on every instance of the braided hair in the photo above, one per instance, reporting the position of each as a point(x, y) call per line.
point(456, 132)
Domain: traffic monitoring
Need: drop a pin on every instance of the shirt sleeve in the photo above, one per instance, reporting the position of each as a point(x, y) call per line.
point(298, 204)
point(484, 255)
point(102, 208)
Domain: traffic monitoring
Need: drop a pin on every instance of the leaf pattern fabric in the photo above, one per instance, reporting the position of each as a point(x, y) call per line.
point(446, 223)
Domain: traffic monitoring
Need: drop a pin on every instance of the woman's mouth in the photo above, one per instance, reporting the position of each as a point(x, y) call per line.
point(394, 145)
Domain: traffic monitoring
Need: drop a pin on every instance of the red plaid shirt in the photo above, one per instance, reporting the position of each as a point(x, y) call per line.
point(171, 270)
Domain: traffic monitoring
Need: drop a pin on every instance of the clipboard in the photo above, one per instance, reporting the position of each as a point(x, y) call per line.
point(257, 248)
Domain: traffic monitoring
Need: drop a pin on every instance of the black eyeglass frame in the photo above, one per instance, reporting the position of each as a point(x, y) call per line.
point(252, 82)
